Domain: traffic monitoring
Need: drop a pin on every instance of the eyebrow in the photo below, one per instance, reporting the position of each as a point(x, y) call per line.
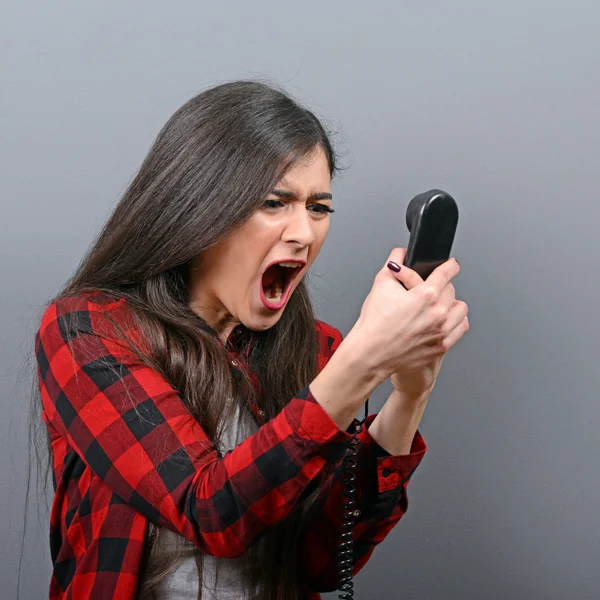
point(315, 196)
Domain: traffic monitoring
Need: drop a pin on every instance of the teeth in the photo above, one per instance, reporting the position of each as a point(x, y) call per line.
point(277, 293)
point(292, 265)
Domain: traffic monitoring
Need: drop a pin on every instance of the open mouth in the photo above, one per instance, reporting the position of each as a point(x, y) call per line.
point(277, 282)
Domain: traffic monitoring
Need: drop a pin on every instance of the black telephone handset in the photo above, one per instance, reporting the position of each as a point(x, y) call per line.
point(431, 218)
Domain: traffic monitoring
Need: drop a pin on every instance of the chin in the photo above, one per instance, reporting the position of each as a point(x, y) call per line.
point(261, 320)
point(262, 324)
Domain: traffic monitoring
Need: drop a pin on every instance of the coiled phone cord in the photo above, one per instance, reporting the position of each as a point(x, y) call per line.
point(349, 512)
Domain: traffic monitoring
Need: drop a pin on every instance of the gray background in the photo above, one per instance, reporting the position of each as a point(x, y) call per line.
point(498, 103)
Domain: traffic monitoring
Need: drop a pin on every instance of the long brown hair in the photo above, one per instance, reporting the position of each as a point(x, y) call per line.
point(208, 171)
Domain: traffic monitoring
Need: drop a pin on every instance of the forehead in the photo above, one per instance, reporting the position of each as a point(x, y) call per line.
point(310, 172)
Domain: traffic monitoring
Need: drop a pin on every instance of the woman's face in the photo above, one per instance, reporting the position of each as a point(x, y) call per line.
point(231, 282)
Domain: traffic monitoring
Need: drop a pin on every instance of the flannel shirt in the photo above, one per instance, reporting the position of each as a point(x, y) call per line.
point(126, 451)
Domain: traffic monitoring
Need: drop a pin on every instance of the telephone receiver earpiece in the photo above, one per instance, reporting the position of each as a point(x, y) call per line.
point(431, 218)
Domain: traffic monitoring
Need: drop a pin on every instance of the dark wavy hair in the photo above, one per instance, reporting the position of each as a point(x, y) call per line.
point(208, 171)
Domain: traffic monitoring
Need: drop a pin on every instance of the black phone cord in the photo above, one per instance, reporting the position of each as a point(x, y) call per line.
point(349, 512)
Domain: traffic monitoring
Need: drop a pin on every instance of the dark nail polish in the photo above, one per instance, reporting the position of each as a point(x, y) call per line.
point(393, 266)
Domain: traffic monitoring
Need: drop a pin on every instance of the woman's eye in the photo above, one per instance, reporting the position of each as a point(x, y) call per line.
point(322, 208)
point(316, 208)
point(269, 203)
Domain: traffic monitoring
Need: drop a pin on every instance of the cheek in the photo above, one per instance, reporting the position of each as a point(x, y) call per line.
point(260, 231)
point(320, 233)
point(254, 235)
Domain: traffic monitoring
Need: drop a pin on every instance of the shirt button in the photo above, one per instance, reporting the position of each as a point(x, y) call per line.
point(386, 472)
point(261, 413)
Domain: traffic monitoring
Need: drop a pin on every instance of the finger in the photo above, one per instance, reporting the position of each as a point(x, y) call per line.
point(456, 334)
point(440, 278)
point(397, 255)
point(456, 315)
point(407, 277)
point(447, 298)
point(445, 322)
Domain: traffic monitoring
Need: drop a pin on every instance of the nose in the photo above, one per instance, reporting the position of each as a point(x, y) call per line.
point(299, 227)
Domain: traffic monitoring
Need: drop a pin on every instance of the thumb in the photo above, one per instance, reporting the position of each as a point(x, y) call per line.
point(407, 277)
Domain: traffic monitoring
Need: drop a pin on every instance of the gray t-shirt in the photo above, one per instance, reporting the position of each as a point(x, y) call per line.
point(224, 584)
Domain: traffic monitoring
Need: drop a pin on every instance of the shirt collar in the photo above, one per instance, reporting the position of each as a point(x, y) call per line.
point(239, 337)
point(237, 340)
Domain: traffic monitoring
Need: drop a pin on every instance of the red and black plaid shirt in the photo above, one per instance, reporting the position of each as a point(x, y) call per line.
point(126, 451)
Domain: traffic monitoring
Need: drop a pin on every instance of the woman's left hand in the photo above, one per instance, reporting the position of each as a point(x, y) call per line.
point(453, 324)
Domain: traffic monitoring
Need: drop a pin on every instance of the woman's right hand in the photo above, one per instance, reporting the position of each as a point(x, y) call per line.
point(401, 330)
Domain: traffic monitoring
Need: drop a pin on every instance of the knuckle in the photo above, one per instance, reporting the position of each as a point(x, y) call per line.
point(438, 318)
point(440, 314)
point(429, 293)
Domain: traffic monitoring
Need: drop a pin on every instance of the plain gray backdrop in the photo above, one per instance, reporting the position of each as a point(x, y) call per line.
point(496, 102)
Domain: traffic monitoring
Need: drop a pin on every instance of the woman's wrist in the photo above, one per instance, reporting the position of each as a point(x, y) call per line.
point(344, 384)
point(396, 424)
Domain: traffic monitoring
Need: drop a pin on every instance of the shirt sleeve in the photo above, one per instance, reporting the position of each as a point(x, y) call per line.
point(130, 427)
point(381, 501)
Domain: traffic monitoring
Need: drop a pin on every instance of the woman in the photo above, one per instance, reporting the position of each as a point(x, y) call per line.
point(197, 412)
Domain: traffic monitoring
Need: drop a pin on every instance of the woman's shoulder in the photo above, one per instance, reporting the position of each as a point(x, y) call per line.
point(93, 301)
point(92, 312)
point(326, 329)
point(329, 338)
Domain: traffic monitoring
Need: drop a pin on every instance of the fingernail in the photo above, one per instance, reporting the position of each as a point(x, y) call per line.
point(393, 266)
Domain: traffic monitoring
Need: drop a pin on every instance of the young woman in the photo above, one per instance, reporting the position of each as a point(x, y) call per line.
point(197, 411)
